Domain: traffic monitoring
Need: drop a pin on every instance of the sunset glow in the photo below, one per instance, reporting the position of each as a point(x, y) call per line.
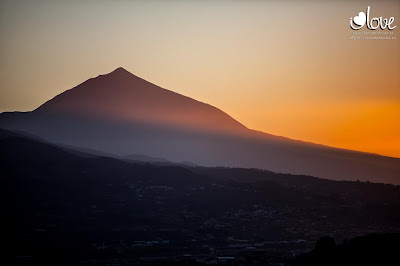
point(298, 76)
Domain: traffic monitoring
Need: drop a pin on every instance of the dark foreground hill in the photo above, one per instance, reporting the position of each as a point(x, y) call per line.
point(63, 207)
point(122, 114)
point(373, 249)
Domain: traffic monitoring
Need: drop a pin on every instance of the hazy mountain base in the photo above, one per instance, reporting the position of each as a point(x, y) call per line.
point(61, 208)
point(254, 150)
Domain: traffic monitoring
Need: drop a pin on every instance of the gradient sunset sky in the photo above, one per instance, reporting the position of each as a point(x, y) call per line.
point(286, 67)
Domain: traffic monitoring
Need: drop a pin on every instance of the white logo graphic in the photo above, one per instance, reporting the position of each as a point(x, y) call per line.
point(358, 21)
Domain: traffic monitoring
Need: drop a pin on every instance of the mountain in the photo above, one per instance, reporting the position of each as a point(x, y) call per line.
point(121, 114)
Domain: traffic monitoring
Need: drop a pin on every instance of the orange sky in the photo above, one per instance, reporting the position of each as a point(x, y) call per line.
point(285, 67)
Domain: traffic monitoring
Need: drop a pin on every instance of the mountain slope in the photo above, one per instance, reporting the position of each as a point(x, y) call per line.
point(122, 114)
point(122, 96)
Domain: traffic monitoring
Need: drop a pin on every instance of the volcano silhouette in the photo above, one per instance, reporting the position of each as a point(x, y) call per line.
point(122, 114)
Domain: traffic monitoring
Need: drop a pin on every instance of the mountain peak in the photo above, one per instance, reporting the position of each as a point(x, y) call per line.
point(120, 71)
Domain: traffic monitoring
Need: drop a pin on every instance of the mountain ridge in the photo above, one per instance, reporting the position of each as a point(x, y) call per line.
point(120, 71)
